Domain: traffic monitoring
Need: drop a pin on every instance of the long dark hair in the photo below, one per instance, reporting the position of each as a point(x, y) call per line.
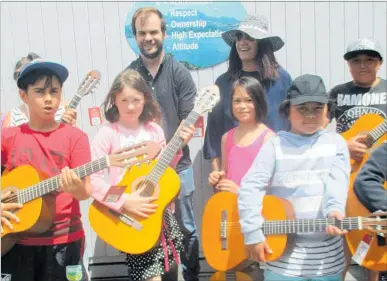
point(131, 79)
point(265, 59)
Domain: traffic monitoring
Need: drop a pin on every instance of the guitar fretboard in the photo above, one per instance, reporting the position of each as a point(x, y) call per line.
point(75, 101)
point(73, 104)
point(52, 184)
point(170, 151)
point(376, 133)
point(308, 225)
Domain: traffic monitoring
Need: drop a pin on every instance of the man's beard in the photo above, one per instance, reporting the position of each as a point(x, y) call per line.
point(159, 46)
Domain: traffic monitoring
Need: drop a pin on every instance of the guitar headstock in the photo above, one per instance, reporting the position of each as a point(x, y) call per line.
point(206, 99)
point(134, 154)
point(376, 222)
point(89, 83)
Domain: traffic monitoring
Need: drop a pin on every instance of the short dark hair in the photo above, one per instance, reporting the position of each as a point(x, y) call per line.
point(144, 14)
point(284, 109)
point(370, 53)
point(36, 75)
point(131, 79)
point(256, 92)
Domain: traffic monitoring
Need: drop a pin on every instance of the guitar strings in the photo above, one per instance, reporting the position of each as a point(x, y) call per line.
point(34, 191)
point(347, 223)
point(175, 143)
point(10, 199)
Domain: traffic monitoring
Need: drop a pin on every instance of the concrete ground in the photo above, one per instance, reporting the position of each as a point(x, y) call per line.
point(355, 274)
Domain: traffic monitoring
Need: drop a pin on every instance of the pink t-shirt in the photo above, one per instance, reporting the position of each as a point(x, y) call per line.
point(240, 158)
point(112, 137)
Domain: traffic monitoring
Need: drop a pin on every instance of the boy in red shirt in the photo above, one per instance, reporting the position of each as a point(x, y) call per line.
point(52, 148)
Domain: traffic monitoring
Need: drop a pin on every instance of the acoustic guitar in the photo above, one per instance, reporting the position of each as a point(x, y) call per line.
point(88, 85)
point(133, 234)
point(230, 276)
point(374, 127)
point(26, 188)
point(223, 241)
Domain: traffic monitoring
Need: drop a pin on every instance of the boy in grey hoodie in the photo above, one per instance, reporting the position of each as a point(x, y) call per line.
point(309, 167)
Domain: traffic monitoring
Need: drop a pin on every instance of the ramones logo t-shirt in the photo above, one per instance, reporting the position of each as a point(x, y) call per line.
point(352, 102)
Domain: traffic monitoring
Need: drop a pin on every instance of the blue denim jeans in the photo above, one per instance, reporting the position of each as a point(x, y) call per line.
point(271, 276)
point(185, 216)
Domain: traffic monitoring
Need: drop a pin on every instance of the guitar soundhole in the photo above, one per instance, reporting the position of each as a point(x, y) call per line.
point(147, 186)
point(13, 197)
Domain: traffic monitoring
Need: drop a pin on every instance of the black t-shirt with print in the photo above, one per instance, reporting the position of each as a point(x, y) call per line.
point(351, 102)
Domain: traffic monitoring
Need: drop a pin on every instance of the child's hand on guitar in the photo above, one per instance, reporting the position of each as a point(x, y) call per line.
point(70, 116)
point(70, 182)
point(227, 185)
point(186, 133)
point(333, 230)
point(357, 149)
point(215, 177)
point(257, 252)
point(6, 211)
point(139, 205)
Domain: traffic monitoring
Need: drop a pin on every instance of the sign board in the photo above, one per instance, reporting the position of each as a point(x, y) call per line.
point(194, 30)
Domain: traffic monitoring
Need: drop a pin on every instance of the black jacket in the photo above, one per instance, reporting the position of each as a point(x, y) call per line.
point(368, 185)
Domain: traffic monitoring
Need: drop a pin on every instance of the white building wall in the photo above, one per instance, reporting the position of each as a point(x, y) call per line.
point(90, 35)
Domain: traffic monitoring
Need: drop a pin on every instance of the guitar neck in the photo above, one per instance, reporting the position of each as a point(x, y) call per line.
point(44, 187)
point(309, 225)
point(170, 151)
point(376, 133)
point(73, 104)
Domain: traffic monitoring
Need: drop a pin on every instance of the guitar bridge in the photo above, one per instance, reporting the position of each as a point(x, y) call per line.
point(127, 220)
point(223, 230)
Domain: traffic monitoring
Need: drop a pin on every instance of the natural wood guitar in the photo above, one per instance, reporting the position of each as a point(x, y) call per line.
point(223, 242)
point(374, 128)
point(133, 234)
point(376, 257)
point(230, 276)
point(26, 188)
point(88, 85)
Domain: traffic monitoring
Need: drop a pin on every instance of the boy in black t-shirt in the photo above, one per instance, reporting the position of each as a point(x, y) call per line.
point(365, 94)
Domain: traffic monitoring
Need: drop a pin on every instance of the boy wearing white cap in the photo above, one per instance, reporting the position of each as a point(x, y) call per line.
point(365, 94)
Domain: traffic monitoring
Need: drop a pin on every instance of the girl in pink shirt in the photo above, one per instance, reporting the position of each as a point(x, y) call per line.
point(241, 144)
point(131, 113)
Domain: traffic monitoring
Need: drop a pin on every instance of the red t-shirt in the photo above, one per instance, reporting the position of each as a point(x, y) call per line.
point(49, 152)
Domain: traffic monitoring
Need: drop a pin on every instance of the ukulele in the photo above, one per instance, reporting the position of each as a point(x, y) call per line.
point(26, 188)
point(160, 180)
